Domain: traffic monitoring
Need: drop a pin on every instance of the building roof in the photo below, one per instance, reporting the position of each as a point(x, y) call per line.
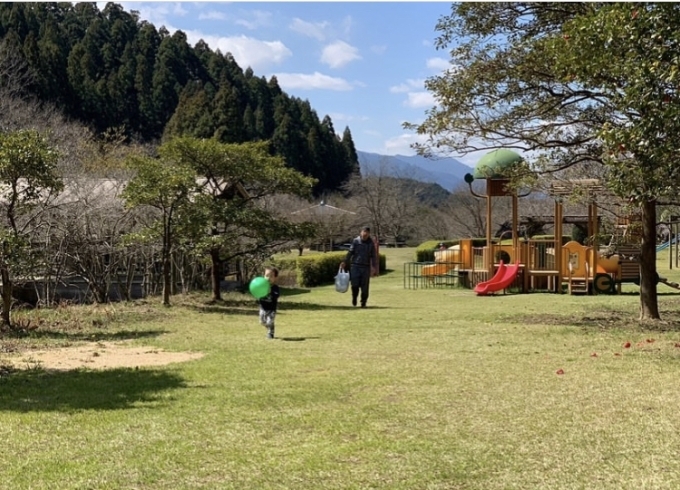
point(323, 209)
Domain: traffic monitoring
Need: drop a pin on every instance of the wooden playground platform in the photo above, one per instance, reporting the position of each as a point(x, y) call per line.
point(577, 270)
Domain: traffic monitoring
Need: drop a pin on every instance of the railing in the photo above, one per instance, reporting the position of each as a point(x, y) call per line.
point(425, 275)
point(541, 256)
point(478, 255)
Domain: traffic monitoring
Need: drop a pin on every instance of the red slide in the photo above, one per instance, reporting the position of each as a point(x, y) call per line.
point(499, 281)
point(496, 277)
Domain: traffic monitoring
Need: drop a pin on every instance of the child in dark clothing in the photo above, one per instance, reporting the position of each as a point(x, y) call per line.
point(269, 303)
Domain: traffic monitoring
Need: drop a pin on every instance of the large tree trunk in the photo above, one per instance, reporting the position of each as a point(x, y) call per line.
point(6, 296)
point(649, 306)
point(215, 274)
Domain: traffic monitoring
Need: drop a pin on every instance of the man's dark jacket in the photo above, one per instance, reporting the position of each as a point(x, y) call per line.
point(361, 253)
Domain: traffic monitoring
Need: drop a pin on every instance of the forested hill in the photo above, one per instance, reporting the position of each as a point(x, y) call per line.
point(109, 69)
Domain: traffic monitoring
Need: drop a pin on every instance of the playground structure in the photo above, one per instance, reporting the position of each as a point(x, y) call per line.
point(536, 264)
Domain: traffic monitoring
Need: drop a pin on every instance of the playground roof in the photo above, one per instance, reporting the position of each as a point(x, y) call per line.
point(493, 164)
point(574, 219)
point(566, 187)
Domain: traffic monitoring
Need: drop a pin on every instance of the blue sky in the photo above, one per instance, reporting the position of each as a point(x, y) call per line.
point(362, 63)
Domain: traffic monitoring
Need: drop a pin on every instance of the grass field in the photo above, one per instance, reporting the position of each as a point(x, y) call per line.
point(425, 389)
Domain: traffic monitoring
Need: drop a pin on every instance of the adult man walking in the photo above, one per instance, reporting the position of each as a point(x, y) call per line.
point(362, 255)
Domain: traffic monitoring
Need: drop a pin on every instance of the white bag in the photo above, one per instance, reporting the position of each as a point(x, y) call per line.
point(342, 281)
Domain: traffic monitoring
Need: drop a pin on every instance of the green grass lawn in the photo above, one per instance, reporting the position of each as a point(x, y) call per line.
point(425, 389)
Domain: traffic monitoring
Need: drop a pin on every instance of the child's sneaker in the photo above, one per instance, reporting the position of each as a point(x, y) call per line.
point(270, 333)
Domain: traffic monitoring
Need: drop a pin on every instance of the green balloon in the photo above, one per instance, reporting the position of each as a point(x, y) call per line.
point(259, 287)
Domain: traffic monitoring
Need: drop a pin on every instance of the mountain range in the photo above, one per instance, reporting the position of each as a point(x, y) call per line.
point(447, 172)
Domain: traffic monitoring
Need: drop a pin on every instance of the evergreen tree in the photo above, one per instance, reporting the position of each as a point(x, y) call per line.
point(227, 114)
point(146, 45)
point(249, 130)
point(351, 163)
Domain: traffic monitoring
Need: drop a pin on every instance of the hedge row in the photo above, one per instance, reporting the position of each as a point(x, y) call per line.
point(318, 269)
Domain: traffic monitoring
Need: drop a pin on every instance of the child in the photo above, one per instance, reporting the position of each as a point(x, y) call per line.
point(269, 303)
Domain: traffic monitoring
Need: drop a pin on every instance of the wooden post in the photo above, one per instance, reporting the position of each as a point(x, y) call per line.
point(670, 246)
point(595, 244)
point(489, 248)
point(515, 225)
point(558, 243)
point(677, 249)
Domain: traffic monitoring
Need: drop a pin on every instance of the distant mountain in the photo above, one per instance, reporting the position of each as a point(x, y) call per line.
point(447, 172)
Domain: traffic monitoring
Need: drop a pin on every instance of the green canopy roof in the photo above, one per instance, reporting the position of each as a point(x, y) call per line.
point(493, 164)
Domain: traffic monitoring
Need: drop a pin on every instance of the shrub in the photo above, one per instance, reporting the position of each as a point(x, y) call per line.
point(320, 269)
point(285, 263)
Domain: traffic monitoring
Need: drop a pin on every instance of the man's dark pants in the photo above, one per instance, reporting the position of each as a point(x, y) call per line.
point(359, 278)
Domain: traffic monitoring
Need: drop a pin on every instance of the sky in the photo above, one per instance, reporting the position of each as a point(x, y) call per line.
point(362, 63)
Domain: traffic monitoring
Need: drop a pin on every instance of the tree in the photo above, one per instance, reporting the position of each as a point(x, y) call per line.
point(390, 203)
point(629, 53)
point(165, 185)
point(226, 219)
point(466, 213)
point(330, 223)
point(571, 84)
point(28, 173)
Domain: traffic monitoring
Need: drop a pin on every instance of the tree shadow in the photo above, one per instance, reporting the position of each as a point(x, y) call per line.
point(93, 336)
point(317, 307)
point(249, 307)
point(294, 291)
point(37, 390)
point(658, 293)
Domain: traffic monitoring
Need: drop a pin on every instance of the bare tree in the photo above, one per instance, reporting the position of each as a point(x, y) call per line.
point(388, 200)
point(331, 218)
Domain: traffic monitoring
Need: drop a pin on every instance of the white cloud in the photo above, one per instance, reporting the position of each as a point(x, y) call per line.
point(401, 145)
point(316, 80)
point(247, 51)
point(418, 100)
point(379, 49)
point(347, 23)
point(179, 10)
point(316, 30)
point(259, 19)
point(212, 15)
point(438, 64)
point(409, 85)
point(426, 42)
point(156, 13)
point(339, 54)
point(372, 132)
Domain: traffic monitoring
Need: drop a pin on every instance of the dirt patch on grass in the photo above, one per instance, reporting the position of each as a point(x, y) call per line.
point(99, 355)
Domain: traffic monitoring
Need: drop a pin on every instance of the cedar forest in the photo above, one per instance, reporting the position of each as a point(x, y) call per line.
point(109, 69)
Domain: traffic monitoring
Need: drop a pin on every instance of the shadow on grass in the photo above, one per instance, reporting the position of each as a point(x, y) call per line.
point(658, 293)
point(294, 291)
point(98, 336)
point(297, 339)
point(36, 390)
point(227, 310)
point(603, 320)
point(250, 307)
point(318, 307)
